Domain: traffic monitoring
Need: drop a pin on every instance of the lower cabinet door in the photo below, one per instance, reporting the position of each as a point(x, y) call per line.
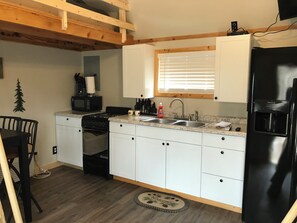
point(220, 189)
point(183, 168)
point(122, 155)
point(69, 143)
point(150, 161)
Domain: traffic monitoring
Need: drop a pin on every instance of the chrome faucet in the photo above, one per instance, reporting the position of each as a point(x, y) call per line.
point(183, 106)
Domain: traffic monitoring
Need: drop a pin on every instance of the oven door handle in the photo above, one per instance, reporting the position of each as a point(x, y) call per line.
point(95, 132)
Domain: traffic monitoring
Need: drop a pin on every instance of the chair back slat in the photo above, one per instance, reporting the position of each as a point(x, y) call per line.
point(10, 123)
point(30, 126)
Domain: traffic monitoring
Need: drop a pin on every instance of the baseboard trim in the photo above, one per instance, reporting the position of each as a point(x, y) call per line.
point(52, 165)
point(187, 196)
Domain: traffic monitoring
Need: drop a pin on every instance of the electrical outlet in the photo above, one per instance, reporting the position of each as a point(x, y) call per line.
point(54, 150)
point(234, 26)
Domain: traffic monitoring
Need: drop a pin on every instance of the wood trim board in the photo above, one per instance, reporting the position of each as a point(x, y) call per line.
point(178, 95)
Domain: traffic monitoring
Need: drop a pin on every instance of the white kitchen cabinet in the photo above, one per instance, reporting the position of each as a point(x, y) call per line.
point(233, 55)
point(69, 140)
point(183, 168)
point(169, 159)
point(223, 168)
point(138, 71)
point(221, 189)
point(122, 150)
point(150, 161)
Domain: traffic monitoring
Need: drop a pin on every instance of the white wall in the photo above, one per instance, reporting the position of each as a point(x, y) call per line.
point(46, 76)
point(111, 78)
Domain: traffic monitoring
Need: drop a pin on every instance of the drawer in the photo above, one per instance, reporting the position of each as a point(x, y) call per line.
point(223, 162)
point(169, 134)
point(124, 128)
point(68, 121)
point(222, 190)
point(224, 141)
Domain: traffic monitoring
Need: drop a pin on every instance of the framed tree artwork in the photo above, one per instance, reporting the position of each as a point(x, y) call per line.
point(1, 68)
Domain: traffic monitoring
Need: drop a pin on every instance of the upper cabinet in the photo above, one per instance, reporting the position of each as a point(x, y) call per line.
point(138, 71)
point(233, 55)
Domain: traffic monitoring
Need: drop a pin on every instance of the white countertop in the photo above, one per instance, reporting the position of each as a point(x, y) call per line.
point(208, 128)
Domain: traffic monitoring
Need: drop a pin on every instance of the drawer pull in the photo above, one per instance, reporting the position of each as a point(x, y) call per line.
point(167, 144)
point(121, 125)
point(132, 138)
point(222, 152)
point(79, 130)
point(163, 143)
point(221, 180)
point(67, 119)
point(223, 138)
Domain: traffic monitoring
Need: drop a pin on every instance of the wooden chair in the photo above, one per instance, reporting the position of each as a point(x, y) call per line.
point(28, 126)
point(10, 122)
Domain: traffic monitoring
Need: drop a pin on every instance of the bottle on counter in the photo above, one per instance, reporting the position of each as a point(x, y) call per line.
point(160, 110)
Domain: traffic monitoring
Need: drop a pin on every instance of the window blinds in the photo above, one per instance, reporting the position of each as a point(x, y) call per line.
point(187, 72)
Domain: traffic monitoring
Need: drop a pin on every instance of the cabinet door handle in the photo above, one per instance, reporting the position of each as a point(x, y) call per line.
point(121, 125)
point(167, 144)
point(79, 130)
point(221, 180)
point(216, 98)
point(132, 138)
point(163, 143)
point(223, 138)
point(141, 95)
point(67, 119)
point(222, 152)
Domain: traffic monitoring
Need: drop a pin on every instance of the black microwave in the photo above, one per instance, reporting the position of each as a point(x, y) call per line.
point(85, 103)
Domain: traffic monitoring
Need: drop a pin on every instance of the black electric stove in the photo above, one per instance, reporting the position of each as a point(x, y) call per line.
point(96, 141)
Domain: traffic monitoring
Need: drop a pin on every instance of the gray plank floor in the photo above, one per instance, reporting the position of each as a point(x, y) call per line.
point(70, 196)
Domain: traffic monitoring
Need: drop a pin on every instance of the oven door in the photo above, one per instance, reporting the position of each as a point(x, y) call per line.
point(94, 141)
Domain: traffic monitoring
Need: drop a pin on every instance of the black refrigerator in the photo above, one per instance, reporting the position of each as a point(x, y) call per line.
point(270, 164)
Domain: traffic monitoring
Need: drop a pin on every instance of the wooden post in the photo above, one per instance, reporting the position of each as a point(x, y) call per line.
point(122, 17)
point(291, 215)
point(9, 185)
point(64, 18)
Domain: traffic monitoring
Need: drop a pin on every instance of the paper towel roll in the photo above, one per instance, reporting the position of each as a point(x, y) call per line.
point(90, 84)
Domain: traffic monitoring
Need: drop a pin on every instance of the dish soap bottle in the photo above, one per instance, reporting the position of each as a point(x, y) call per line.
point(160, 110)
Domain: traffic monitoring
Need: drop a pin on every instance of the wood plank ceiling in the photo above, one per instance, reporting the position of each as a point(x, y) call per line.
point(24, 24)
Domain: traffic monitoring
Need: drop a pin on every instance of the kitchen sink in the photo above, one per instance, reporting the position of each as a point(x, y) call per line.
point(160, 120)
point(175, 122)
point(189, 123)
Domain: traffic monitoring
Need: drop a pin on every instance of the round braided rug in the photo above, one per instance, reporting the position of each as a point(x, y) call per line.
point(161, 201)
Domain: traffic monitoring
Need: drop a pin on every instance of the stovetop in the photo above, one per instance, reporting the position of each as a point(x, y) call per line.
point(100, 120)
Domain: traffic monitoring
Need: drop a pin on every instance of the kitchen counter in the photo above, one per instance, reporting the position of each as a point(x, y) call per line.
point(208, 128)
point(75, 114)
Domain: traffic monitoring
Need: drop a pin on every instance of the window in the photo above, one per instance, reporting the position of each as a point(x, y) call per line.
point(185, 74)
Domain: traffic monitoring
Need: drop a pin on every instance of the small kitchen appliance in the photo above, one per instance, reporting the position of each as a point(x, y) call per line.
point(86, 103)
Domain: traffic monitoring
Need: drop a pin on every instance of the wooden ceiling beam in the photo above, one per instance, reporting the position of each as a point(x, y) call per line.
point(20, 15)
point(34, 33)
point(68, 7)
point(33, 40)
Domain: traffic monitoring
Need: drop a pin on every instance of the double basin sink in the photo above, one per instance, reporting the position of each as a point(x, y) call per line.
point(178, 122)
